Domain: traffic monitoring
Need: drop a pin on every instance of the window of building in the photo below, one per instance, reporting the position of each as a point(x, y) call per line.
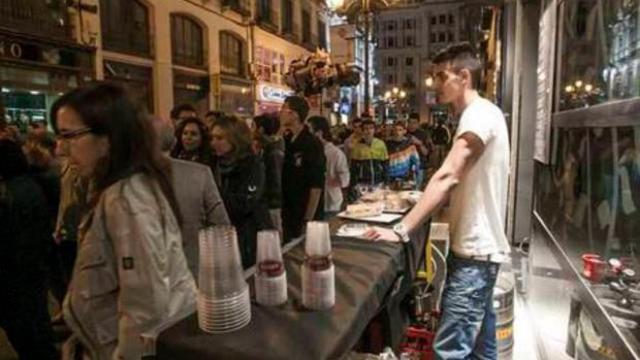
point(125, 26)
point(322, 34)
point(451, 21)
point(434, 20)
point(264, 12)
point(391, 61)
point(232, 54)
point(450, 37)
point(408, 81)
point(442, 37)
point(391, 25)
point(187, 43)
point(306, 27)
point(443, 19)
point(409, 41)
point(410, 24)
point(390, 79)
point(391, 42)
point(408, 61)
point(287, 16)
point(432, 38)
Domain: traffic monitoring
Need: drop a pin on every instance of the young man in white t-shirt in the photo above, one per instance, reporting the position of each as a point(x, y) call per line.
point(474, 177)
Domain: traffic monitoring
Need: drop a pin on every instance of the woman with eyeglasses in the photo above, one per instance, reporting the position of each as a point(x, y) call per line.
point(130, 275)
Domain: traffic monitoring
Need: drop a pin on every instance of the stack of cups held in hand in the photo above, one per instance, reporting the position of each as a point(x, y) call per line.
point(224, 304)
point(318, 273)
point(271, 277)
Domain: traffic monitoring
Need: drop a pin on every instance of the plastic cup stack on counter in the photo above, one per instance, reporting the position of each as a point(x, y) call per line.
point(318, 272)
point(224, 304)
point(271, 277)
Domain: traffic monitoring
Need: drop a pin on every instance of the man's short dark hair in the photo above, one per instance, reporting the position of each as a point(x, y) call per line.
point(320, 123)
point(299, 105)
point(175, 112)
point(268, 122)
point(414, 116)
point(461, 56)
point(366, 122)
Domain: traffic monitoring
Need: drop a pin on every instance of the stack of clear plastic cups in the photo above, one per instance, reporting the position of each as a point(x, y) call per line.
point(318, 273)
point(224, 304)
point(271, 277)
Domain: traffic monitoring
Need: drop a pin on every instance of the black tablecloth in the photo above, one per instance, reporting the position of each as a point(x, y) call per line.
point(369, 277)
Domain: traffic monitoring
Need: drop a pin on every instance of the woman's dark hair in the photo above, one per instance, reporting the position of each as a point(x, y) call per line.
point(204, 152)
point(268, 122)
point(320, 123)
point(238, 135)
point(107, 110)
point(14, 162)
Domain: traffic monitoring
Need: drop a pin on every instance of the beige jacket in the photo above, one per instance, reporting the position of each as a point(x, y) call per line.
point(131, 276)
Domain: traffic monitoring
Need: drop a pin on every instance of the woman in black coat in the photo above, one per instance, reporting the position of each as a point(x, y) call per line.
point(241, 179)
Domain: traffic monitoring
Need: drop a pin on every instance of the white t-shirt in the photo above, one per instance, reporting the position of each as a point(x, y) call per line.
point(479, 203)
point(337, 168)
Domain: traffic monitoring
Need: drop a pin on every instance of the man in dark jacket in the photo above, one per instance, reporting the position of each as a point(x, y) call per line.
point(25, 230)
point(303, 172)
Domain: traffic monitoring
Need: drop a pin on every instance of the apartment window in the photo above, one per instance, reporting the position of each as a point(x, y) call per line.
point(432, 38)
point(125, 26)
point(322, 34)
point(434, 20)
point(232, 53)
point(187, 43)
point(391, 25)
point(240, 6)
point(443, 19)
point(391, 61)
point(450, 37)
point(287, 16)
point(409, 41)
point(390, 80)
point(408, 81)
point(408, 61)
point(264, 10)
point(442, 37)
point(391, 42)
point(306, 27)
point(451, 21)
point(410, 24)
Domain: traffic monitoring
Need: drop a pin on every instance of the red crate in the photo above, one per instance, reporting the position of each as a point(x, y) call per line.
point(419, 340)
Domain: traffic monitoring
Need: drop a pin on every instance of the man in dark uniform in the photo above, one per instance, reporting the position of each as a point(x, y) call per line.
point(303, 171)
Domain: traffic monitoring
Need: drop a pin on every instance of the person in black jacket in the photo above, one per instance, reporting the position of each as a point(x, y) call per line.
point(303, 172)
point(25, 230)
point(240, 175)
point(271, 150)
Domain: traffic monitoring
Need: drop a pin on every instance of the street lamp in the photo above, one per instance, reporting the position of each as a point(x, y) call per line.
point(395, 91)
point(429, 82)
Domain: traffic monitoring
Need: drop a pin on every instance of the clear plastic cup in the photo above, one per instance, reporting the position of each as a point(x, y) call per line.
point(268, 246)
point(318, 288)
point(220, 274)
point(318, 239)
point(271, 277)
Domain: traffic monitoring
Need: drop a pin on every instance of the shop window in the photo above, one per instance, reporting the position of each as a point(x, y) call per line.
point(306, 27)
point(191, 89)
point(125, 26)
point(599, 55)
point(187, 42)
point(287, 16)
point(137, 80)
point(232, 54)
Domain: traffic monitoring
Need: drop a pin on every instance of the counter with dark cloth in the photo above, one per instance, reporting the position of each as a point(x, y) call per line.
point(371, 278)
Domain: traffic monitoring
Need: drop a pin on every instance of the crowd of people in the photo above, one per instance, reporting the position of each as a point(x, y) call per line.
point(105, 214)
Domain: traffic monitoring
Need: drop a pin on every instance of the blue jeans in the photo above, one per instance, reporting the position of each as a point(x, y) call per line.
point(468, 324)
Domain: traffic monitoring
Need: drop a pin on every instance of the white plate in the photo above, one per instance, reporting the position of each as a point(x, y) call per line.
point(411, 195)
point(353, 230)
point(381, 219)
point(397, 211)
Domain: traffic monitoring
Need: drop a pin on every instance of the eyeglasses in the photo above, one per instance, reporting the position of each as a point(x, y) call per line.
point(69, 135)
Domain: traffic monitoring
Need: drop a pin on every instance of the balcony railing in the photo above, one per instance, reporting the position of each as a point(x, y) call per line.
point(36, 17)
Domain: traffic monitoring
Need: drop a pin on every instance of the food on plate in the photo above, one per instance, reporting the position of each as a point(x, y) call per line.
point(364, 210)
point(396, 202)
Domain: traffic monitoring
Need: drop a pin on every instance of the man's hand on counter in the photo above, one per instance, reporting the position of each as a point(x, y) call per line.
point(379, 233)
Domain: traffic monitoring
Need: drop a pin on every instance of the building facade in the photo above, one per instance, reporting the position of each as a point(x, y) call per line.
point(408, 35)
point(226, 55)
